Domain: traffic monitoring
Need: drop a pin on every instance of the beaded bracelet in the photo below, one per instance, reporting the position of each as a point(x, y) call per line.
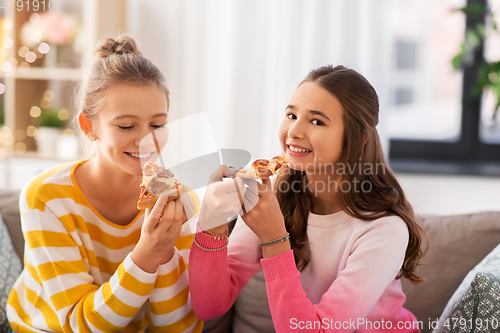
point(206, 249)
point(281, 239)
point(225, 234)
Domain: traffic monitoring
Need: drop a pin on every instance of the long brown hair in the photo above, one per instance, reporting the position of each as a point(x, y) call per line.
point(385, 197)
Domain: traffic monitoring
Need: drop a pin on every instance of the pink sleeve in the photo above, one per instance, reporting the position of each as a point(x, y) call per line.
point(217, 277)
point(375, 259)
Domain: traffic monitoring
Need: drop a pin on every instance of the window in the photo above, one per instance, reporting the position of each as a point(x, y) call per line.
point(436, 125)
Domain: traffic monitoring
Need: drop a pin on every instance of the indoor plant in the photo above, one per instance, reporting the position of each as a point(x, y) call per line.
point(49, 128)
point(488, 76)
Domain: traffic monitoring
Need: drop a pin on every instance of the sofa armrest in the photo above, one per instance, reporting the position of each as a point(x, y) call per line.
point(457, 244)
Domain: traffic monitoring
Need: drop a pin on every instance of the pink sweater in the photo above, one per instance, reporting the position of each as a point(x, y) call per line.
point(349, 284)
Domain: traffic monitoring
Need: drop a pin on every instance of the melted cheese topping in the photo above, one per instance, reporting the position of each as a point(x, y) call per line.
point(169, 182)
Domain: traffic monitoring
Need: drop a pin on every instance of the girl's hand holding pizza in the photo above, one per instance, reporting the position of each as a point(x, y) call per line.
point(265, 217)
point(223, 199)
point(161, 229)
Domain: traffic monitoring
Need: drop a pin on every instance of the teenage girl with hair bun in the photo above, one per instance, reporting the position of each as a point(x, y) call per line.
point(335, 235)
point(93, 263)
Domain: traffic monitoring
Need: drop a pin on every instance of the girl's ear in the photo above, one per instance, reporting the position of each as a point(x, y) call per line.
point(85, 124)
point(366, 136)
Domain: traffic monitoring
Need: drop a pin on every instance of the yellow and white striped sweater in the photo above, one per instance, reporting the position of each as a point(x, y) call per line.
point(78, 274)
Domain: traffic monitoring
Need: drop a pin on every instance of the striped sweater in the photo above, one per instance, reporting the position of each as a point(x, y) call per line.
point(79, 276)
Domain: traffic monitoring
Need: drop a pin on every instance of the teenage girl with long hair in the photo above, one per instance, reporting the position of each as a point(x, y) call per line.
point(336, 233)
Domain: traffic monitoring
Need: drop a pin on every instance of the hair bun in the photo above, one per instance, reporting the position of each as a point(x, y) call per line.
point(123, 44)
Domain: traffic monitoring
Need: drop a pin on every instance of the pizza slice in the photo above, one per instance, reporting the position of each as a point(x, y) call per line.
point(263, 168)
point(157, 181)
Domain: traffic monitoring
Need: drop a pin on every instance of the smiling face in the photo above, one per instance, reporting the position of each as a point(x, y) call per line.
point(129, 113)
point(312, 132)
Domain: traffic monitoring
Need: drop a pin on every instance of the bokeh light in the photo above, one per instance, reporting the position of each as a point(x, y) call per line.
point(30, 57)
point(63, 114)
point(9, 140)
point(35, 112)
point(6, 131)
point(36, 36)
point(7, 25)
point(43, 48)
point(8, 42)
point(2, 88)
point(6, 66)
point(48, 95)
point(20, 147)
point(31, 131)
point(23, 51)
point(34, 18)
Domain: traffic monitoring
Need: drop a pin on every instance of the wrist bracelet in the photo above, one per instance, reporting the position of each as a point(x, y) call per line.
point(281, 239)
point(225, 234)
point(206, 249)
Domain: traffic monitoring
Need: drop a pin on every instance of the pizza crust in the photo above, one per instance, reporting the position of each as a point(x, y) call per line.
point(150, 200)
point(247, 173)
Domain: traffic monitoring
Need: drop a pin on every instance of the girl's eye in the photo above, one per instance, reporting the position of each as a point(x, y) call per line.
point(158, 126)
point(126, 127)
point(317, 122)
point(291, 116)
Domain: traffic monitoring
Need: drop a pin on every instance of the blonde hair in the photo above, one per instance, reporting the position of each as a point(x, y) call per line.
point(118, 61)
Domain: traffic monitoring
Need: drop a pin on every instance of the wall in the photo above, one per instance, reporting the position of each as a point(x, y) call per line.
point(444, 195)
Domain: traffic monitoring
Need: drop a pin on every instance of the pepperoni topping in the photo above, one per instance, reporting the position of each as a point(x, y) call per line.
point(278, 166)
point(165, 173)
point(260, 163)
point(158, 187)
point(264, 172)
point(149, 169)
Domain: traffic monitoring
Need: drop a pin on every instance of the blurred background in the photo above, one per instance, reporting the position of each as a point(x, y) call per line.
point(240, 62)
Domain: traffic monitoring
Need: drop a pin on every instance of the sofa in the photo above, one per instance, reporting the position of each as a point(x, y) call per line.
point(457, 244)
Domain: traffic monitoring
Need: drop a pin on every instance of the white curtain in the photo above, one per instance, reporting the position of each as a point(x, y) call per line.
point(241, 60)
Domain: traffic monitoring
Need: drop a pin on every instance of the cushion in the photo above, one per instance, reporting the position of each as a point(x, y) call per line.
point(480, 289)
point(479, 309)
point(457, 244)
point(10, 268)
point(9, 209)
